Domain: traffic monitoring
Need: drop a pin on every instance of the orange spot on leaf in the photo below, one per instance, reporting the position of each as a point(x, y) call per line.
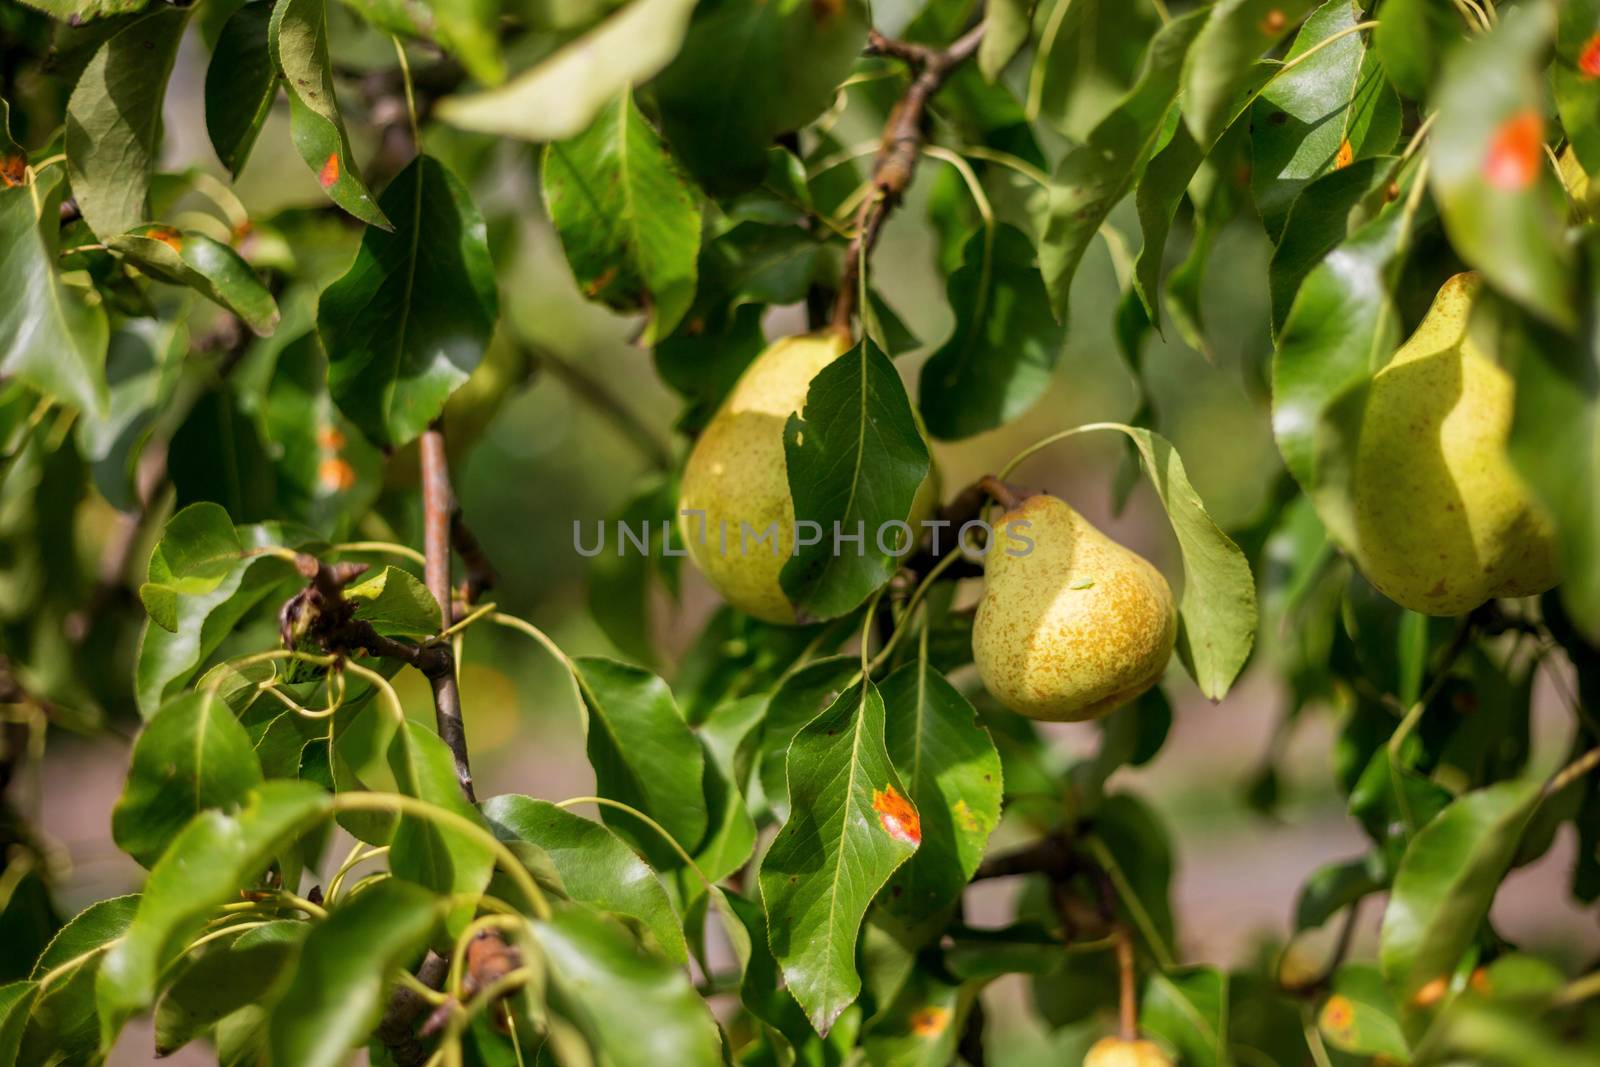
point(330, 438)
point(1345, 156)
point(1431, 993)
point(1480, 982)
point(1589, 58)
point(167, 236)
point(1273, 22)
point(1338, 1016)
point(897, 815)
point(13, 169)
point(930, 1021)
point(330, 170)
point(336, 475)
point(1515, 152)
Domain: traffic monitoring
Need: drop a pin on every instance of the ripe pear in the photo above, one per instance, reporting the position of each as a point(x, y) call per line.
point(1073, 628)
point(737, 473)
point(1117, 1052)
point(1444, 522)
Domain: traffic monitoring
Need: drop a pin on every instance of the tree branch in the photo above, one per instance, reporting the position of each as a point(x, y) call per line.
point(898, 152)
point(438, 513)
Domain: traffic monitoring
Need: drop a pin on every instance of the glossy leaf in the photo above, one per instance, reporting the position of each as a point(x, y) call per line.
point(1359, 1016)
point(396, 603)
point(797, 700)
point(850, 826)
point(1341, 328)
point(410, 320)
point(241, 84)
point(337, 993)
point(114, 121)
point(228, 976)
point(1317, 222)
point(1086, 55)
point(190, 756)
point(561, 96)
point(1444, 886)
point(1157, 198)
point(16, 1001)
point(298, 37)
point(1500, 203)
point(644, 755)
point(206, 865)
point(748, 72)
point(50, 337)
point(1003, 353)
point(855, 459)
point(951, 771)
point(1223, 69)
point(1093, 177)
point(1188, 1010)
point(626, 215)
point(203, 264)
point(1328, 111)
point(631, 1007)
point(596, 868)
point(64, 1020)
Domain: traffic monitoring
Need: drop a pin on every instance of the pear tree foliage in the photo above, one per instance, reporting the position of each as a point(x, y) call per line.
point(298, 300)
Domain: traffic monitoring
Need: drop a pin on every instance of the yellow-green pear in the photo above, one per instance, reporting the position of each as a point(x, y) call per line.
point(1444, 522)
point(1118, 1052)
point(737, 474)
point(1075, 625)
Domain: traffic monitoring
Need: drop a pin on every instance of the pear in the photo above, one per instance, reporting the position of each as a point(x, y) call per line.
point(1074, 627)
point(737, 473)
point(1117, 1052)
point(1443, 520)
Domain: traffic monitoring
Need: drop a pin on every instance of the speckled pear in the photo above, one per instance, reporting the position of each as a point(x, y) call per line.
point(1116, 1052)
point(737, 473)
point(1073, 628)
point(1444, 522)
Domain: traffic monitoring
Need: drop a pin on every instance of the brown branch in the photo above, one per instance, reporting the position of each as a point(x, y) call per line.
point(397, 1030)
point(438, 508)
point(898, 151)
point(1050, 856)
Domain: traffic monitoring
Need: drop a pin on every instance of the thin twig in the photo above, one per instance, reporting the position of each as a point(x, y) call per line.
point(898, 151)
point(438, 510)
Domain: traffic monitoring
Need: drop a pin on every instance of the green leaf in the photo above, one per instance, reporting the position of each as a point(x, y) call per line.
point(337, 993)
point(1446, 881)
point(190, 756)
point(1188, 1009)
point(205, 866)
point(1341, 328)
point(16, 1001)
point(1577, 93)
point(1359, 1017)
point(626, 215)
point(1412, 39)
point(1005, 31)
point(298, 38)
point(85, 10)
point(1555, 439)
point(64, 1021)
point(855, 459)
point(203, 264)
point(951, 771)
point(1003, 353)
point(1223, 64)
point(596, 868)
point(229, 975)
point(1331, 109)
point(396, 603)
point(798, 699)
point(619, 582)
point(1094, 176)
point(1318, 220)
point(924, 1024)
point(241, 83)
point(198, 549)
point(50, 336)
point(1501, 205)
point(731, 830)
point(203, 608)
point(850, 826)
point(1086, 56)
point(748, 72)
point(1165, 181)
point(563, 94)
point(440, 858)
point(1336, 886)
point(409, 321)
point(644, 755)
point(114, 121)
point(632, 1008)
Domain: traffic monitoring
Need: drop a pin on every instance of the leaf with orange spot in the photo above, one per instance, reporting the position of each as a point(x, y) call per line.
point(1345, 155)
point(13, 169)
point(1589, 58)
point(833, 855)
point(1359, 1015)
point(330, 170)
point(203, 264)
point(930, 1021)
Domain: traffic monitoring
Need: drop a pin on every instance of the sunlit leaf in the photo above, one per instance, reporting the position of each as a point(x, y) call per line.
point(1223, 71)
point(203, 264)
point(64, 1020)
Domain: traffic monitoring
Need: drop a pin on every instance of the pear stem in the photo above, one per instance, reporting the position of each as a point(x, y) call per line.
point(1007, 496)
point(1128, 1015)
point(898, 151)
